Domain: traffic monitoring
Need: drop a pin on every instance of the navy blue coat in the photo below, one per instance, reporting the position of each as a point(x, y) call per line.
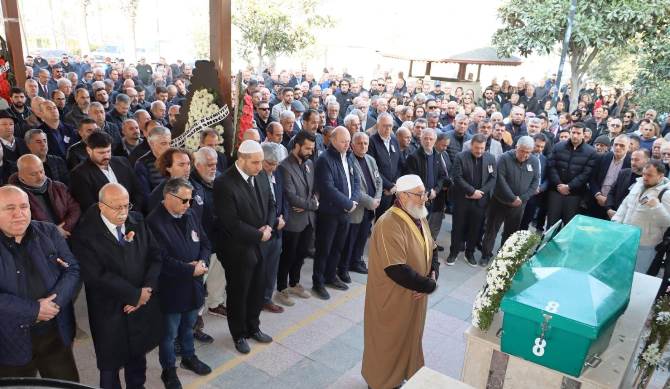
point(388, 162)
point(180, 291)
point(331, 182)
point(17, 315)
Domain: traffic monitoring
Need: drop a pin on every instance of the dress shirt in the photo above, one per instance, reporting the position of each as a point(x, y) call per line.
point(345, 164)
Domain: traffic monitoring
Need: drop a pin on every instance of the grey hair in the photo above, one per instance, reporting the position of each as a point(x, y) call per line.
point(349, 118)
point(358, 135)
point(384, 115)
point(154, 104)
point(203, 153)
point(525, 141)
point(432, 115)
point(333, 104)
point(460, 116)
point(442, 135)
point(273, 152)
point(535, 120)
point(419, 121)
point(106, 187)
point(30, 133)
point(158, 131)
point(96, 104)
point(497, 114)
point(173, 185)
point(403, 129)
point(286, 115)
point(97, 85)
point(140, 111)
point(626, 138)
point(63, 81)
point(122, 98)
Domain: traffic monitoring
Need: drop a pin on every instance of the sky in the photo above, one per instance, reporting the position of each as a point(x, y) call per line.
point(363, 29)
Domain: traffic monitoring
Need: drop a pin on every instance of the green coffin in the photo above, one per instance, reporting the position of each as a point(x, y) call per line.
point(564, 302)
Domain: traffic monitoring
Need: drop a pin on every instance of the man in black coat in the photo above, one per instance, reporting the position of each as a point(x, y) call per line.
point(241, 204)
point(626, 178)
point(384, 148)
point(605, 175)
point(39, 278)
point(120, 265)
point(569, 168)
point(427, 164)
point(474, 176)
point(518, 177)
point(185, 250)
point(54, 166)
point(101, 168)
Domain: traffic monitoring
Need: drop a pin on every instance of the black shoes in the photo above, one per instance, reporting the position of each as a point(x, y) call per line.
point(170, 379)
point(261, 337)
point(202, 337)
point(440, 248)
point(359, 268)
point(470, 259)
point(345, 278)
point(484, 261)
point(242, 346)
point(451, 259)
point(320, 292)
point(337, 284)
point(195, 365)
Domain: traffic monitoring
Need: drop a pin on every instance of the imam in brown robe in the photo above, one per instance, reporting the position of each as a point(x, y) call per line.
point(401, 260)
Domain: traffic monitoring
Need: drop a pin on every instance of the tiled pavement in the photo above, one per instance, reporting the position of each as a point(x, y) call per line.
point(317, 344)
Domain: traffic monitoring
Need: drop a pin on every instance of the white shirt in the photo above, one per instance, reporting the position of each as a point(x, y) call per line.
point(109, 173)
point(112, 227)
point(345, 164)
point(10, 145)
point(387, 143)
point(244, 175)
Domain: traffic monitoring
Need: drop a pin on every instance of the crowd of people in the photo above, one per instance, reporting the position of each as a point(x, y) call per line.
point(160, 236)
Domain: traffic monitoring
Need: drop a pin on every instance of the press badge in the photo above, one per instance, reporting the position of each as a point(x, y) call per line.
point(66, 139)
point(490, 169)
point(529, 168)
point(198, 200)
point(194, 236)
point(392, 149)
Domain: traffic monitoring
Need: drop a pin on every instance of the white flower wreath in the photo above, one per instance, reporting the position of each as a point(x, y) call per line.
point(202, 105)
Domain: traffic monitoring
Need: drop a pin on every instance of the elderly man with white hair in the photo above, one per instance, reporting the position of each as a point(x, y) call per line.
point(517, 181)
point(403, 271)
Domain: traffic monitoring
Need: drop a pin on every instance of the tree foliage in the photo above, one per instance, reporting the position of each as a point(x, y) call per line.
point(615, 66)
point(538, 26)
point(654, 61)
point(272, 27)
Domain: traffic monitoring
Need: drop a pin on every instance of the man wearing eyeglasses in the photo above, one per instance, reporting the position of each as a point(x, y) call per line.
point(121, 264)
point(186, 252)
point(614, 128)
point(101, 168)
point(262, 116)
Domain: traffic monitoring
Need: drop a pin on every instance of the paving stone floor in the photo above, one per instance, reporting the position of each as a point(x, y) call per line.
point(317, 344)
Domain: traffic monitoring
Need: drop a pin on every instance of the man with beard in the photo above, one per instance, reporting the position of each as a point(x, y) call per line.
point(102, 97)
point(604, 176)
point(101, 168)
point(130, 131)
point(626, 178)
point(458, 136)
point(403, 269)
point(80, 110)
point(19, 111)
point(517, 126)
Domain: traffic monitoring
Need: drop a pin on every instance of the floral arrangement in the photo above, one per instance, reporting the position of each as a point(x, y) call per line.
point(203, 104)
point(243, 110)
point(651, 356)
point(514, 253)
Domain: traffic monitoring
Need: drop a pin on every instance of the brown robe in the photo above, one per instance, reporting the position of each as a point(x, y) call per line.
point(394, 321)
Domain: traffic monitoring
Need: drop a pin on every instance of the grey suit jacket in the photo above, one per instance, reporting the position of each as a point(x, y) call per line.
point(299, 189)
point(366, 201)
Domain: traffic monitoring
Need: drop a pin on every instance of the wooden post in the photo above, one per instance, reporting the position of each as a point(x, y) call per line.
point(461, 71)
point(10, 12)
point(479, 71)
point(220, 44)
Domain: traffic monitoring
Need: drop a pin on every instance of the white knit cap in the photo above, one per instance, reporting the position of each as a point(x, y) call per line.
point(250, 147)
point(408, 182)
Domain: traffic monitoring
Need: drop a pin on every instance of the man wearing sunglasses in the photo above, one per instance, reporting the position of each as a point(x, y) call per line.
point(186, 252)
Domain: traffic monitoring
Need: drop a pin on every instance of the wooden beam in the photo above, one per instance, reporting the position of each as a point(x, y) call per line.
point(10, 11)
point(220, 44)
point(411, 65)
point(461, 71)
point(479, 71)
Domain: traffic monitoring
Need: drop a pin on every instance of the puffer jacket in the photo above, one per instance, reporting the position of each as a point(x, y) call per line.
point(571, 166)
point(653, 221)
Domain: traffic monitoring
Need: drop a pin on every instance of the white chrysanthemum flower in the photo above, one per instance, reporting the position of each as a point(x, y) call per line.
point(663, 318)
point(652, 355)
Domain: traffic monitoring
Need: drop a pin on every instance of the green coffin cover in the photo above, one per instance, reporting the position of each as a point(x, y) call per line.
point(587, 267)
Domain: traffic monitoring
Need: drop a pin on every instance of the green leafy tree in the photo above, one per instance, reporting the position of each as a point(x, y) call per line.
point(272, 27)
point(654, 61)
point(538, 26)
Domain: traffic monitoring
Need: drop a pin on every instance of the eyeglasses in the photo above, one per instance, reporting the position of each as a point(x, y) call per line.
point(183, 201)
point(431, 107)
point(263, 109)
point(120, 208)
point(422, 195)
point(615, 125)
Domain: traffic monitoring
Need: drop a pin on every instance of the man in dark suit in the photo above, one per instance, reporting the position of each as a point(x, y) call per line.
point(273, 153)
point(517, 179)
point(101, 168)
point(59, 135)
point(626, 178)
point(474, 176)
point(209, 137)
point(39, 278)
point(186, 250)
point(12, 147)
point(384, 148)
point(241, 203)
point(297, 172)
point(426, 163)
point(605, 175)
point(537, 203)
point(338, 187)
point(120, 265)
point(54, 166)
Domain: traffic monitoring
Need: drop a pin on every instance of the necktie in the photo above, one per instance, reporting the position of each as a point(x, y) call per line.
point(119, 234)
point(250, 181)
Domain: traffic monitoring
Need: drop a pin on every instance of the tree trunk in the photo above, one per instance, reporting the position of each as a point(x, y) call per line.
point(53, 26)
point(84, 43)
point(260, 60)
point(575, 82)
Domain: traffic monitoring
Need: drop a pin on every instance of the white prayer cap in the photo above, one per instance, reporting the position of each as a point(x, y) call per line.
point(250, 147)
point(408, 182)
